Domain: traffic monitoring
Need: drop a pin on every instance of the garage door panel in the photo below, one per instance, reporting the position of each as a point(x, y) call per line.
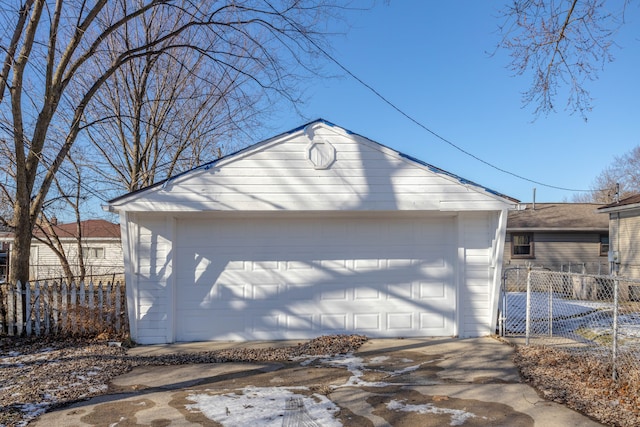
point(266, 323)
point(430, 262)
point(366, 322)
point(233, 291)
point(300, 265)
point(300, 322)
point(400, 291)
point(431, 321)
point(299, 278)
point(333, 322)
point(333, 293)
point(366, 264)
point(366, 294)
point(202, 328)
point(265, 291)
point(333, 264)
point(400, 321)
point(432, 290)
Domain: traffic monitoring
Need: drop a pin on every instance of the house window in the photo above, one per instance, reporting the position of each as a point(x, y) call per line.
point(604, 244)
point(96, 253)
point(522, 245)
point(4, 262)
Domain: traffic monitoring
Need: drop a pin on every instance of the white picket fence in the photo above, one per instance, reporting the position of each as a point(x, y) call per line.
point(60, 308)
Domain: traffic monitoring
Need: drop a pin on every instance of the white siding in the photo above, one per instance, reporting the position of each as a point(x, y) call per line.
point(45, 264)
point(150, 277)
point(476, 290)
point(277, 175)
point(175, 236)
point(199, 238)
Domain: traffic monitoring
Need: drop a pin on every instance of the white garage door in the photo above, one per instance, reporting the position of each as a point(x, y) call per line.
point(285, 278)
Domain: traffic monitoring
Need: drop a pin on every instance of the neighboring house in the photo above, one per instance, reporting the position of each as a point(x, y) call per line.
point(4, 253)
point(624, 231)
point(559, 236)
point(101, 250)
point(315, 231)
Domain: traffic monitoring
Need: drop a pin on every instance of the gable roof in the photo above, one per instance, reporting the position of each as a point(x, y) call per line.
point(558, 217)
point(632, 202)
point(92, 228)
point(306, 132)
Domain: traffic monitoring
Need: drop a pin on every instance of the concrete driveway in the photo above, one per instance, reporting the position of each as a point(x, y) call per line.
point(390, 382)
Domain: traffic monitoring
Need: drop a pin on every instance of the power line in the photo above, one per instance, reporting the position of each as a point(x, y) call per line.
point(415, 121)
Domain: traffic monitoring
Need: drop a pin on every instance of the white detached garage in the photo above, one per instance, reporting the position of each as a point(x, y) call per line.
point(312, 232)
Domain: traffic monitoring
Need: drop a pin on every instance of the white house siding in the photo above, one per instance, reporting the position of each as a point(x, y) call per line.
point(278, 176)
point(156, 286)
point(149, 278)
point(45, 264)
point(272, 196)
point(476, 298)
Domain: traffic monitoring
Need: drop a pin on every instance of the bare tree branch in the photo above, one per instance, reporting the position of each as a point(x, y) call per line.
point(154, 84)
point(565, 42)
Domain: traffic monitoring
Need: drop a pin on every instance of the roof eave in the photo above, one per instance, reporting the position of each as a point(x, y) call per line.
point(620, 208)
point(115, 205)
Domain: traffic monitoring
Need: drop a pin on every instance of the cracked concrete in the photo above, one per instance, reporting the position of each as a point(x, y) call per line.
point(387, 382)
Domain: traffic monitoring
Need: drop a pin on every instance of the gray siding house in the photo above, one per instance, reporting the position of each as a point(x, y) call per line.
point(558, 236)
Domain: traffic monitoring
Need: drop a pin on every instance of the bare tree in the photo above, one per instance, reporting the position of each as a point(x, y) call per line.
point(618, 180)
point(560, 43)
point(69, 197)
point(58, 56)
point(162, 114)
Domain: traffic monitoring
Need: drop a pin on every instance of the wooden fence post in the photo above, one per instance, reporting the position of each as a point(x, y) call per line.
point(82, 309)
point(46, 308)
point(93, 323)
point(55, 306)
point(64, 307)
point(11, 310)
point(36, 308)
point(19, 309)
point(109, 307)
point(28, 307)
point(101, 302)
point(73, 314)
point(118, 307)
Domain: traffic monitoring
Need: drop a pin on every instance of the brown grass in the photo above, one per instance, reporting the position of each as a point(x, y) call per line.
point(584, 382)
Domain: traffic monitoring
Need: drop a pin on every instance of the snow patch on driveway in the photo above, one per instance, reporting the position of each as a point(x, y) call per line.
point(458, 416)
point(356, 366)
point(262, 406)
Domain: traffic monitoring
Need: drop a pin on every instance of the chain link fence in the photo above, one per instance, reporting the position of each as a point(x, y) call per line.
point(597, 314)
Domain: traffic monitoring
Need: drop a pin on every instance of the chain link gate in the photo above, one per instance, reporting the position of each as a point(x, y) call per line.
point(513, 302)
point(579, 312)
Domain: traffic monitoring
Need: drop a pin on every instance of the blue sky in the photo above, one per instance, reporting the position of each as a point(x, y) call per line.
point(433, 60)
